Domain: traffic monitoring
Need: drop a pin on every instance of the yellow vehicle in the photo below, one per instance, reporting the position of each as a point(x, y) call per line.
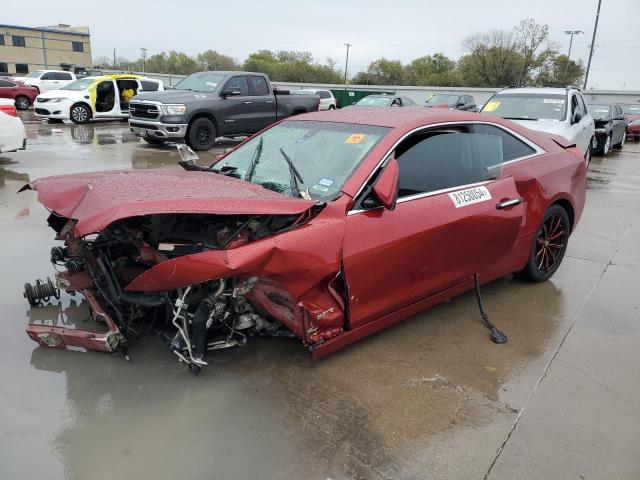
point(106, 96)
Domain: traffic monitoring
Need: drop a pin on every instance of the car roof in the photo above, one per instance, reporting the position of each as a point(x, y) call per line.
point(391, 117)
point(534, 90)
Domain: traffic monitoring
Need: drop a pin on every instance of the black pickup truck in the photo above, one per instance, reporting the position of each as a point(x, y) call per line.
point(207, 105)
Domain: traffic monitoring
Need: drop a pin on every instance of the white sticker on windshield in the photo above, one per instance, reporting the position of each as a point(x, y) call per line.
point(327, 182)
point(469, 196)
point(553, 100)
point(211, 84)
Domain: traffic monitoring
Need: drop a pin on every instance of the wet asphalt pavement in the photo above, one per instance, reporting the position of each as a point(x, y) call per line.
point(429, 398)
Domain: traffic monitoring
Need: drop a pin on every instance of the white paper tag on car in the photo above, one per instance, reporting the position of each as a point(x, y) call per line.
point(462, 198)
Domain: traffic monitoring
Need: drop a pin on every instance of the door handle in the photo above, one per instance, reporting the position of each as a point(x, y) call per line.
point(247, 102)
point(269, 101)
point(509, 203)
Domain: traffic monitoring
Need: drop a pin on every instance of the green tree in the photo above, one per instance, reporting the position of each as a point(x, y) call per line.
point(212, 60)
point(181, 63)
point(561, 73)
point(382, 72)
point(436, 70)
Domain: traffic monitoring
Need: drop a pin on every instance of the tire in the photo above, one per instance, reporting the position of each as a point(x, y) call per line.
point(618, 146)
point(332, 107)
point(22, 102)
point(549, 246)
point(606, 146)
point(153, 141)
point(201, 134)
point(80, 113)
point(587, 154)
point(55, 120)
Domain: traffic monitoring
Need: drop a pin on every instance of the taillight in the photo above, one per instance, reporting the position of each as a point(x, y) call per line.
point(9, 110)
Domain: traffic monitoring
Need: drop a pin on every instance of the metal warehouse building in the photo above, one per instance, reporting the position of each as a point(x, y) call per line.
point(25, 49)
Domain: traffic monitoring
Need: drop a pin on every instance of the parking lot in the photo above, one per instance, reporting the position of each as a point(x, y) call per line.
point(429, 398)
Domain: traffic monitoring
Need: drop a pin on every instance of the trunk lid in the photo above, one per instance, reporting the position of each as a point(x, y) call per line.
point(97, 199)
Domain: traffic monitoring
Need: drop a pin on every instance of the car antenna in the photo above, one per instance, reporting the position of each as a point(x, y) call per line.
point(496, 335)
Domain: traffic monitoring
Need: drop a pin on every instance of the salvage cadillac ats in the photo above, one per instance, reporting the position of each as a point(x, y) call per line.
point(327, 227)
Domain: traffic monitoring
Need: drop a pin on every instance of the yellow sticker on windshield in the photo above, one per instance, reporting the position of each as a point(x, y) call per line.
point(355, 138)
point(490, 106)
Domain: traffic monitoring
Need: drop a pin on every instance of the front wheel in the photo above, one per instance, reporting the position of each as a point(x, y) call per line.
point(201, 134)
point(606, 146)
point(80, 113)
point(549, 246)
point(618, 146)
point(587, 154)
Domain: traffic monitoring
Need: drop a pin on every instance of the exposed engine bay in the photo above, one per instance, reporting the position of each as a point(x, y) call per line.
point(192, 320)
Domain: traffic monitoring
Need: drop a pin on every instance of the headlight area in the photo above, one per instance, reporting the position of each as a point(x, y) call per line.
point(173, 109)
point(191, 320)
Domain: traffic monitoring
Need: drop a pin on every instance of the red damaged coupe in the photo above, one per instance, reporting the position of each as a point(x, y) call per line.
point(326, 227)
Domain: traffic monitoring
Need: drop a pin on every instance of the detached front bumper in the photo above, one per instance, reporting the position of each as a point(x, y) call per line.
point(63, 337)
point(155, 129)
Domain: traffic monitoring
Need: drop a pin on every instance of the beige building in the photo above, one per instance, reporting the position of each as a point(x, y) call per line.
point(26, 49)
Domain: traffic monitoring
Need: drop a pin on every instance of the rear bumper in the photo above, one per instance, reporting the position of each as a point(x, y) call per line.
point(155, 129)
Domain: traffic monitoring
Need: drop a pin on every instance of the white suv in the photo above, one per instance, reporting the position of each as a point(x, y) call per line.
point(327, 100)
point(561, 111)
point(46, 80)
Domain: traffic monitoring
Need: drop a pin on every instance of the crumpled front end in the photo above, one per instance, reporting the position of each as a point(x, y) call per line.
point(201, 281)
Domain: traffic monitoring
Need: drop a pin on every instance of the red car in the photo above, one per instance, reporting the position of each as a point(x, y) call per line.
point(327, 226)
point(23, 95)
point(632, 116)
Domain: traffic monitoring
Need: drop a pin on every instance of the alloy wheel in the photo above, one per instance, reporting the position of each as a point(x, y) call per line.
point(203, 134)
point(22, 103)
point(607, 145)
point(79, 114)
point(550, 243)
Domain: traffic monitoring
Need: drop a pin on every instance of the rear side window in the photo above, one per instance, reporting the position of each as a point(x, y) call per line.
point(149, 86)
point(48, 76)
point(439, 161)
point(62, 76)
point(258, 86)
point(239, 83)
point(512, 147)
point(324, 94)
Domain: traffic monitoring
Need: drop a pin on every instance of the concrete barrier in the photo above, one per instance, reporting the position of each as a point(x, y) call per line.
point(418, 94)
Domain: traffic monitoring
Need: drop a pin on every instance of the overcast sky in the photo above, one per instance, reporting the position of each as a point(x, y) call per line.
point(402, 29)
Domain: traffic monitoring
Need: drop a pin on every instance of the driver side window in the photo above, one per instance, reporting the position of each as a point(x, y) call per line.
point(434, 161)
point(239, 83)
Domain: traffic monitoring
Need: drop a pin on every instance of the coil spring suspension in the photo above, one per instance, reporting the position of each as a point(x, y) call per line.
point(40, 292)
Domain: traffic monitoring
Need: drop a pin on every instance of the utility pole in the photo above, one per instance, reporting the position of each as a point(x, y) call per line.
point(346, 64)
point(572, 33)
point(593, 41)
point(114, 58)
point(144, 58)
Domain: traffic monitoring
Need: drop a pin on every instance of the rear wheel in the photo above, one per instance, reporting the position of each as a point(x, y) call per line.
point(22, 102)
point(549, 245)
point(201, 134)
point(618, 146)
point(153, 141)
point(80, 113)
point(332, 107)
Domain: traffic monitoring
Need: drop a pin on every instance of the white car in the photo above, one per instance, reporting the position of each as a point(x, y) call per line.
point(327, 100)
point(46, 80)
point(561, 111)
point(106, 96)
point(13, 136)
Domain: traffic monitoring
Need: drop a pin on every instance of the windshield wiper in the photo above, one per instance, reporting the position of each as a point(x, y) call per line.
point(254, 160)
point(520, 118)
point(295, 175)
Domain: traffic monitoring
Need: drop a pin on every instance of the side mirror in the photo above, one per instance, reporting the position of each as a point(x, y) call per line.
point(230, 92)
point(386, 186)
point(460, 103)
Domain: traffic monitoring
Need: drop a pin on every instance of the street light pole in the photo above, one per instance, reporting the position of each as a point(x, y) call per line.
point(346, 64)
point(593, 41)
point(144, 58)
point(572, 33)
